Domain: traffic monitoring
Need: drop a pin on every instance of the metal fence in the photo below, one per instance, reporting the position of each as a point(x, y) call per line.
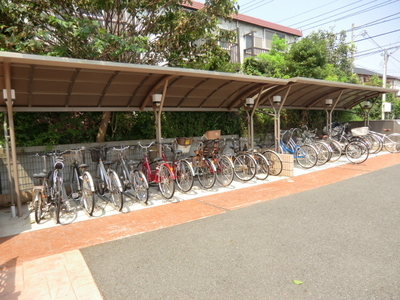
point(30, 160)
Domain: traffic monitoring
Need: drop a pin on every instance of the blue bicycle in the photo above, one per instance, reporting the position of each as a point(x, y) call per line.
point(305, 155)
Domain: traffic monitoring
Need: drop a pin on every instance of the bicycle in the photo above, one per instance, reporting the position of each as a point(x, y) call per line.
point(131, 178)
point(390, 142)
point(306, 155)
point(203, 166)
point(354, 146)
point(224, 168)
point(245, 166)
point(324, 150)
point(51, 192)
point(81, 183)
point(262, 163)
point(107, 180)
point(183, 171)
point(157, 172)
point(274, 160)
point(41, 200)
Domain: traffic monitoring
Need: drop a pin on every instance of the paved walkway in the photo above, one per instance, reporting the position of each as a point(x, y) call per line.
point(47, 263)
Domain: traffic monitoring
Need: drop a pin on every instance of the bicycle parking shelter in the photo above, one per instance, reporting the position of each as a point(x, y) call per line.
point(33, 83)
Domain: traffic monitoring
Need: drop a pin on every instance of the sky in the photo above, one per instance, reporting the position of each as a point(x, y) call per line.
point(376, 24)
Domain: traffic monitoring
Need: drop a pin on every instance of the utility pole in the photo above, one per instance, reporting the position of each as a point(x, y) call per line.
point(385, 60)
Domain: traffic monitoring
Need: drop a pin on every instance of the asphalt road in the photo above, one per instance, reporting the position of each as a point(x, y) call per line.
point(340, 241)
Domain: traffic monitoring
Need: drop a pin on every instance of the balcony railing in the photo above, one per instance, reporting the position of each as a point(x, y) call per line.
point(249, 52)
point(254, 51)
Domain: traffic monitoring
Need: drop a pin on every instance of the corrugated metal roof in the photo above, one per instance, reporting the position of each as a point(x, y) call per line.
point(44, 83)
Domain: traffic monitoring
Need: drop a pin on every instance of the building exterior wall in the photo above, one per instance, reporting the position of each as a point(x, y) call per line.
point(261, 38)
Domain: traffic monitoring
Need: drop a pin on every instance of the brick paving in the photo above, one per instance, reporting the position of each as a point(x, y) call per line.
point(47, 264)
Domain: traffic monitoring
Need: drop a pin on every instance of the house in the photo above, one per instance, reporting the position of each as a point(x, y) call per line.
point(254, 36)
point(365, 75)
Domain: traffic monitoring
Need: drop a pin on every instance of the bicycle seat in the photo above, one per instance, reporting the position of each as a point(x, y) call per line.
point(83, 166)
point(133, 162)
point(177, 152)
point(108, 162)
point(158, 159)
point(39, 175)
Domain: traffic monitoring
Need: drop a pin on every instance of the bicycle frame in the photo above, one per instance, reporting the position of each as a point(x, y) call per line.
point(77, 172)
point(287, 149)
point(196, 160)
point(154, 175)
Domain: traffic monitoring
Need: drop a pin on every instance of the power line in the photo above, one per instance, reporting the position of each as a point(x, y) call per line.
point(352, 14)
point(329, 13)
point(308, 11)
point(250, 2)
point(373, 40)
point(376, 48)
point(361, 54)
point(372, 23)
point(357, 28)
point(247, 9)
point(377, 35)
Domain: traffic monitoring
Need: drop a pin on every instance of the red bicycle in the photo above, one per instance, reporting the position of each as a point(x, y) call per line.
point(158, 172)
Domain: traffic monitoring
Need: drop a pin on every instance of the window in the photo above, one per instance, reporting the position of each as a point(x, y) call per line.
point(269, 35)
point(249, 40)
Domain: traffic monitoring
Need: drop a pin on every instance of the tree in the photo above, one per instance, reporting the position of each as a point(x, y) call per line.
point(321, 55)
point(141, 31)
point(376, 110)
point(270, 64)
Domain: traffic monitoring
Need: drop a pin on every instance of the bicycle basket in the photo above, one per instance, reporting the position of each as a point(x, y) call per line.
point(184, 141)
point(97, 153)
point(286, 135)
point(359, 131)
point(74, 156)
point(210, 147)
point(183, 144)
point(116, 154)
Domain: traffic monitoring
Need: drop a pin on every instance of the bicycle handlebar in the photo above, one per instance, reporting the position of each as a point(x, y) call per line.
point(122, 148)
point(147, 146)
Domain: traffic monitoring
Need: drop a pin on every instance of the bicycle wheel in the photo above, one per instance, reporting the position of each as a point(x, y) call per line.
point(245, 167)
point(88, 197)
point(206, 174)
point(224, 169)
point(184, 175)
point(115, 197)
point(376, 143)
point(275, 162)
point(38, 205)
point(126, 183)
point(262, 166)
point(324, 155)
point(75, 185)
point(166, 182)
point(100, 182)
point(336, 150)
point(140, 185)
point(57, 199)
point(306, 156)
point(356, 152)
point(144, 172)
point(391, 142)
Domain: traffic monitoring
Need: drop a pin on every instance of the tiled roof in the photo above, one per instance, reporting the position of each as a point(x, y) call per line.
point(362, 71)
point(251, 20)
